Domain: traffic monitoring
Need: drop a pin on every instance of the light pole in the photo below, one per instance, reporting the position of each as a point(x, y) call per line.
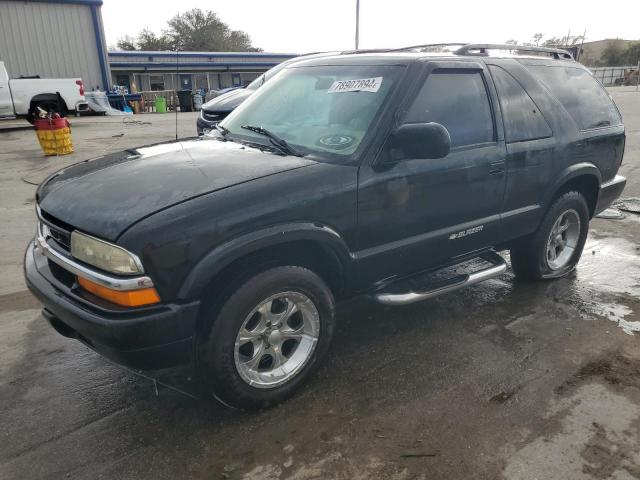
point(357, 23)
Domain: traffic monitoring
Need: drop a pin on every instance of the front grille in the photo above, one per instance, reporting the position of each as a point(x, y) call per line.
point(63, 239)
point(56, 230)
point(63, 276)
point(214, 116)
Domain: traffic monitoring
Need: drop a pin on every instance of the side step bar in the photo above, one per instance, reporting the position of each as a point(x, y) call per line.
point(498, 266)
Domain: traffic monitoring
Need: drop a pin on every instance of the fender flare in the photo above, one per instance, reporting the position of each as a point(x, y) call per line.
point(233, 249)
point(569, 173)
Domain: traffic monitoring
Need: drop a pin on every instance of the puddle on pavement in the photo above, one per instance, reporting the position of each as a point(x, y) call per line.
point(629, 327)
point(607, 275)
point(611, 265)
point(616, 313)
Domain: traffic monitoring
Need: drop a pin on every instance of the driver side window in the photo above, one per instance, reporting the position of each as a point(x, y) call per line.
point(458, 100)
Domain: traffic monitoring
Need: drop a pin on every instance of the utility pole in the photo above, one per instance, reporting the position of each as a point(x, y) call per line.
point(357, 23)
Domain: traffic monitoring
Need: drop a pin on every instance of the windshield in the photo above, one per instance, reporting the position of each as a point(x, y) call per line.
point(319, 109)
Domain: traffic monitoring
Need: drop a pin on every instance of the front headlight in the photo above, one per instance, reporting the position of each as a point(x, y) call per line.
point(103, 255)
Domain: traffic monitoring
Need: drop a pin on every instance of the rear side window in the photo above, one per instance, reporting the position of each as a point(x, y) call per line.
point(522, 118)
point(580, 94)
point(457, 100)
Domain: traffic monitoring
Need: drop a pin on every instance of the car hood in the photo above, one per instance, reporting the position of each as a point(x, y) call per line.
point(107, 195)
point(228, 101)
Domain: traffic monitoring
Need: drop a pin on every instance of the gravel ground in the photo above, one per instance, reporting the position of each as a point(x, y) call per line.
point(502, 380)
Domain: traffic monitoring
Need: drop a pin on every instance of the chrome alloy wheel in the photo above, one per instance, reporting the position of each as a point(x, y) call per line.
point(277, 339)
point(563, 240)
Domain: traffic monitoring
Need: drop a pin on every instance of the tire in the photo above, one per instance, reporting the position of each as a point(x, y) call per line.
point(532, 258)
point(52, 106)
point(245, 371)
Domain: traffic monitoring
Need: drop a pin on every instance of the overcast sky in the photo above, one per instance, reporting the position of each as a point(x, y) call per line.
point(299, 26)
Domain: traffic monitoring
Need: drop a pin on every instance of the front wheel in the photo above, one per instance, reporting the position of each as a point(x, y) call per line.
point(268, 337)
point(555, 248)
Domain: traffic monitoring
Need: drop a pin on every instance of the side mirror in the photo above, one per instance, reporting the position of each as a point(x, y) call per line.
point(421, 140)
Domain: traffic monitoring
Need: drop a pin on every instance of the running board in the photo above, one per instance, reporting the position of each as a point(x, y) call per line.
point(498, 265)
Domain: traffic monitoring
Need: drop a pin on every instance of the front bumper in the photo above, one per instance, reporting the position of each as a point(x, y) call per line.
point(609, 192)
point(144, 338)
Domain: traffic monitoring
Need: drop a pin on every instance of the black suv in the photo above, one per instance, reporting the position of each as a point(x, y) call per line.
point(397, 174)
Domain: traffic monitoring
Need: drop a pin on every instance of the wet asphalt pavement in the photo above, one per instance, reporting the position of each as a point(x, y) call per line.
point(502, 380)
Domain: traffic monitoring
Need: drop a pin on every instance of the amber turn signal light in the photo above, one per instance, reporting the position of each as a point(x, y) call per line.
point(131, 298)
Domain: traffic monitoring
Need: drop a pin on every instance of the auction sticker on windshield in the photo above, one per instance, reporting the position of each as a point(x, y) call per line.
point(357, 85)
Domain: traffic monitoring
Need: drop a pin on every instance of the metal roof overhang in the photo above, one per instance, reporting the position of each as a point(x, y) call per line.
point(172, 67)
point(180, 54)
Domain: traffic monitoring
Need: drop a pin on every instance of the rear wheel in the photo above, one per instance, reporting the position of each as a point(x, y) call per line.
point(555, 248)
point(51, 106)
point(268, 337)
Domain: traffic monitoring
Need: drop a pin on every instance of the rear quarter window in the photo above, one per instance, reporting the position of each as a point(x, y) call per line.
point(580, 94)
point(522, 117)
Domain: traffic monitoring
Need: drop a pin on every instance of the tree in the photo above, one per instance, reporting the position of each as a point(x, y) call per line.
point(197, 30)
point(537, 37)
point(126, 43)
point(194, 30)
point(577, 40)
point(612, 56)
point(147, 40)
point(566, 41)
point(632, 53)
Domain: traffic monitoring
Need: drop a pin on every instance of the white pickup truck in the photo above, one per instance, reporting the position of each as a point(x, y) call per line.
point(20, 96)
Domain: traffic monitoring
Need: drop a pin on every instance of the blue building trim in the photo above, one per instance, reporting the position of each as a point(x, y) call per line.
point(96, 3)
point(172, 65)
point(201, 54)
point(104, 70)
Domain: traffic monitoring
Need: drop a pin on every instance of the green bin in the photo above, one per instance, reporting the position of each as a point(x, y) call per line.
point(161, 105)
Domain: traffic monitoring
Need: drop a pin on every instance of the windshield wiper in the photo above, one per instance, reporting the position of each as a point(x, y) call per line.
point(275, 140)
point(223, 131)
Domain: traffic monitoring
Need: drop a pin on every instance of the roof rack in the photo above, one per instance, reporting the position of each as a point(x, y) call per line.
point(482, 48)
point(427, 46)
point(365, 50)
point(471, 49)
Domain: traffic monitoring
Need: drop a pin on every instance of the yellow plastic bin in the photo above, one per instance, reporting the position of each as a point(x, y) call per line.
point(54, 135)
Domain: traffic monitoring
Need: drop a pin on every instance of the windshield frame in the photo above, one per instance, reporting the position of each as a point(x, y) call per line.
point(257, 82)
point(390, 102)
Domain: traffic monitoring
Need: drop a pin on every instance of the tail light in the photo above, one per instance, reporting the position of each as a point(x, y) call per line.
point(80, 86)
